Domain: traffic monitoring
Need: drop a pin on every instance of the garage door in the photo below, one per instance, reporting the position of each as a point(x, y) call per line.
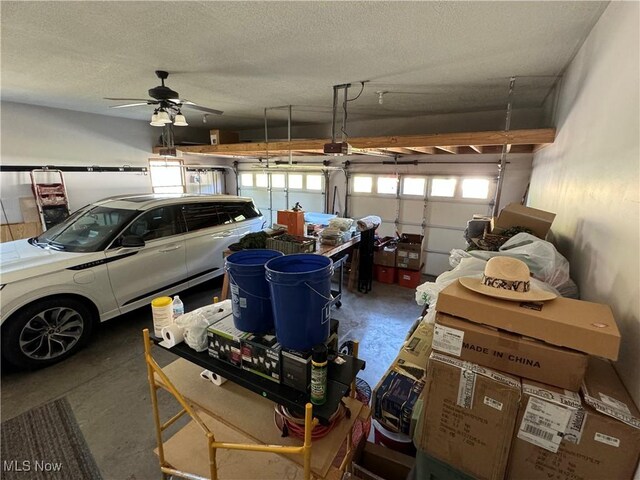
point(273, 191)
point(437, 207)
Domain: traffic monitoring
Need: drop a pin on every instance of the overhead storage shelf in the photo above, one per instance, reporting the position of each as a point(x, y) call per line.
point(518, 141)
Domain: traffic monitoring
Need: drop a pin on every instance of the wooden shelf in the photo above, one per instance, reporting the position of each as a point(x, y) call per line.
point(477, 143)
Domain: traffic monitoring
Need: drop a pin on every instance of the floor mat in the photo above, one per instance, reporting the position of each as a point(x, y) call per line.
point(45, 443)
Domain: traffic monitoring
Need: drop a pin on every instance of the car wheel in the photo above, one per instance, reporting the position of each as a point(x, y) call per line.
point(46, 332)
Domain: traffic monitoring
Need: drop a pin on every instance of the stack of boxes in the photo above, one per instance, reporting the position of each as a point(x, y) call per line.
point(262, 354)
point(524, 390)
point(400, 260)
point(397, 392)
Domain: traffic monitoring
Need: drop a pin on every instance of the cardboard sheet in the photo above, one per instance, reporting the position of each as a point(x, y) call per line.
point(253, 415)
point(187, 451)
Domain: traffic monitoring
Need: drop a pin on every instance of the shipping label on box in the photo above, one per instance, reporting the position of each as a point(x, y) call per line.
point(564, 322)
point(469, 416)
point(509, 353)
point(601, 440)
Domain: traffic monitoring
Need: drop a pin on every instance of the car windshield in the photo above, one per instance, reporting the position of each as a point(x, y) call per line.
point(88, 230)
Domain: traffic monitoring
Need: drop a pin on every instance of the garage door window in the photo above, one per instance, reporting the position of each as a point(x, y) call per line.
point(246, 179)
point(277, 180)
point(443, 187)
point(295, 182)
point(166, 176)
point(475, 188)
point(388, 185)
point(262, 180)
point(362, 184)
point(314, 182)
point(413, 186)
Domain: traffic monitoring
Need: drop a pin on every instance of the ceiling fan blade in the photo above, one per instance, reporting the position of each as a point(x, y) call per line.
point(195, 106)
point(126, 105)
point(129, 99)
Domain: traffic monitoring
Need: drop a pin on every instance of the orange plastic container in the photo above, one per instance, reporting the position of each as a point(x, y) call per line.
point(293, 220)
point(385, 274)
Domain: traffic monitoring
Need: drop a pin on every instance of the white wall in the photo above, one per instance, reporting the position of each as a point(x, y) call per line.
point(589, 176)
point(33, 135)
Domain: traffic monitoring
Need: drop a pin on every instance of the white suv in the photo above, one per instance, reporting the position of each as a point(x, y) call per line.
point(106, 259)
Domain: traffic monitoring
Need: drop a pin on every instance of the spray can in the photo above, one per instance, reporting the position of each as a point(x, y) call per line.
point(319, 374)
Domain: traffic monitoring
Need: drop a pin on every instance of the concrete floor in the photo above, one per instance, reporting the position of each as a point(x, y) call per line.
point(106, 382)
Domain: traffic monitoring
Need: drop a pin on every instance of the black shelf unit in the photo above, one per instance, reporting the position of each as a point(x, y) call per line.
point(338, 383)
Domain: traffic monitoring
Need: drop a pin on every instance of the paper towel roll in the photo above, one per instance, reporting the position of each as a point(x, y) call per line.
point(172, 335)
point(213, 377)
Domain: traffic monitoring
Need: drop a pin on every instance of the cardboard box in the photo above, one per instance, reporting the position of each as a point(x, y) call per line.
point(225, 341)
point(468, 417)
point(509, 352)
point(601, 439)
point(410, 252)
point(584, 326)
point(219, 137)
point(261, 355)
point(386, 256)
point(374, 462)
point(397, 392)
point(516, 215)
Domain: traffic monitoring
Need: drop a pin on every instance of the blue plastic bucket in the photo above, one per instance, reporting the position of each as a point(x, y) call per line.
point(250, 295)
point(301, 299)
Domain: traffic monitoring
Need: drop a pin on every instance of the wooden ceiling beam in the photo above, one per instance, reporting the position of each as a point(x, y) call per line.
point(425, 150)
point(497, 137)
point(476, 148)
point(447, 149)
point(401, 150)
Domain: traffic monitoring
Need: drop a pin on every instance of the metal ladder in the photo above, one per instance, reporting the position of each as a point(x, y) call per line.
point(51, 198)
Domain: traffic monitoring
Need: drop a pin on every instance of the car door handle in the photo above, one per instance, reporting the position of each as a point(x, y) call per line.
point(170, 249)
point(226, 233)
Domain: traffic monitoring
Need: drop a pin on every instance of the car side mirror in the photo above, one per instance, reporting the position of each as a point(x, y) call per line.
point(132, 241)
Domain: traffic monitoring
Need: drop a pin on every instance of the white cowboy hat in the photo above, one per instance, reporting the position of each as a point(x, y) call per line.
point(506, 278)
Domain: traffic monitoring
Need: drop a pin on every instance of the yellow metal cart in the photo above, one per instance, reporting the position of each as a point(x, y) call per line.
point(202, 401)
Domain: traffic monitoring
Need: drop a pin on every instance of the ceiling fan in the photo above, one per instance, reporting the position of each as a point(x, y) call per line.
point(168, 103)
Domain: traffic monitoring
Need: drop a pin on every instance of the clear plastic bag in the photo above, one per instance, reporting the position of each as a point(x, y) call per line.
point(195, 323)
point(542, 258)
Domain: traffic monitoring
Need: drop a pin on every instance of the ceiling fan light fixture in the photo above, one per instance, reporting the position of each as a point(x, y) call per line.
point(155, 121)
point(163, 117)
point(180, 120)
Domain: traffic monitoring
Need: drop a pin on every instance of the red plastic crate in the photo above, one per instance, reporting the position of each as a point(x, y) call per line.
point(409, 278)
point(385, 274)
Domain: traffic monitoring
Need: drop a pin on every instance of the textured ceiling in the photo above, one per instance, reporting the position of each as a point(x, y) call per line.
point(243, 56)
